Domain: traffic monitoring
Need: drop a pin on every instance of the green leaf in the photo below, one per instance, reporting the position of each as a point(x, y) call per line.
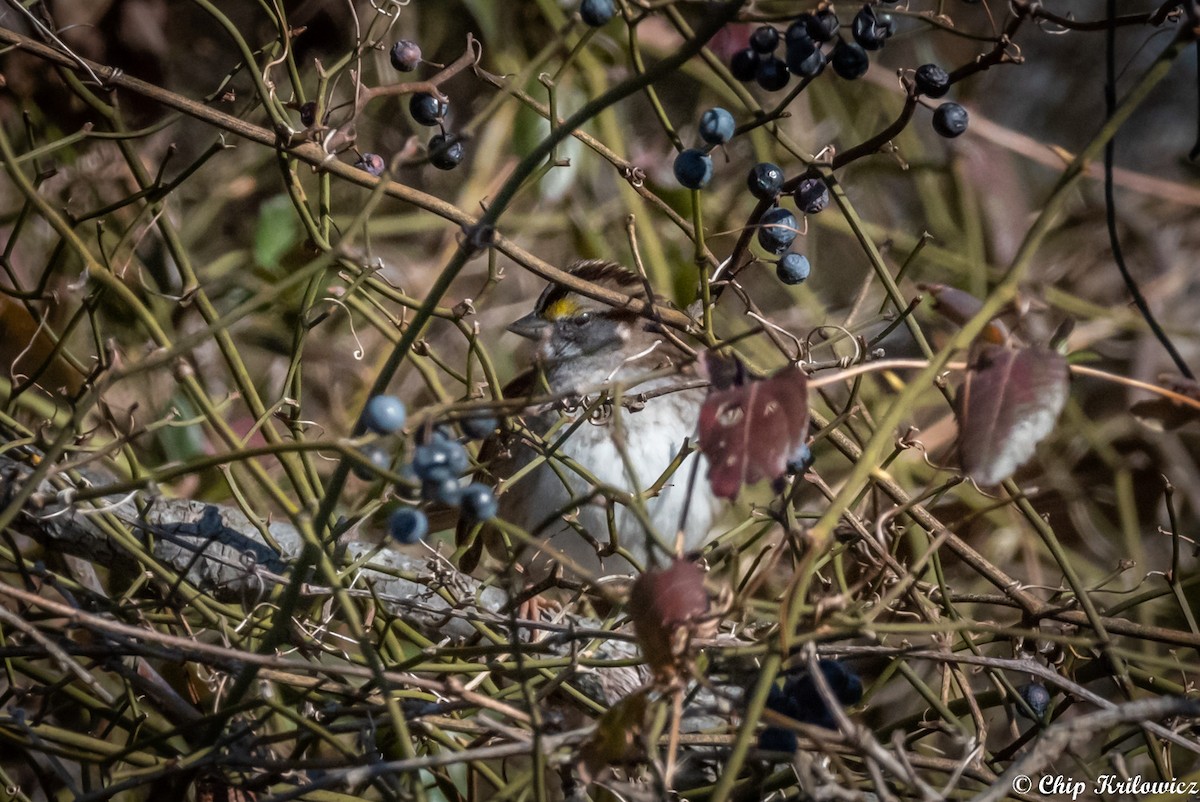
point(181, 443)
point(276, 232)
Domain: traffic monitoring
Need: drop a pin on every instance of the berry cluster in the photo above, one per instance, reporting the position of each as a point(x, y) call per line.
point(949, 119)
point(810, 42)
point(438, 463)
point(778, 227)
point(799, 699)
point(815, 39)
point(445, 149)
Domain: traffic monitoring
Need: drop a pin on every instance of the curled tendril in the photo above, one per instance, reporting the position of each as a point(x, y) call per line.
point(858, 350)
point(1013, 50)
point(601, 414)
point(800, 347)
point(1052, 28)
point(389, 8)
point(633, 358)
point(106, 508)
point(358, 352)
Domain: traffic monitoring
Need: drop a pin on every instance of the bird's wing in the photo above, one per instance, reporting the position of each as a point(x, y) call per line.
point(499, 456)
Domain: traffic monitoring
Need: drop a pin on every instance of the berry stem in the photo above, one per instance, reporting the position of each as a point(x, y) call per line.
point(702, 264)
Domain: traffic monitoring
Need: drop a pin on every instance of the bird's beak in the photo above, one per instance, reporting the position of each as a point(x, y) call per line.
point(531, 326)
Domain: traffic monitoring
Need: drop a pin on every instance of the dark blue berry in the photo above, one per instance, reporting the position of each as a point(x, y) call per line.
point(431, 462)
point(793, 268)
point(308, 114)
point(440, 459)
point(744, 65)
point(445, 151)
point(868, 31)
point(849, 60)
point(765, 180)
point(822, 26)
point(693, 168)
point(777, 229)
point(798, 31)
point(932, 81)
point(805, 58)
point(773, 74)
point(460, 460)
point(812, 196)
point(478, 503)
point(378, 456)
point(446, 489)
point(405, 55)
point(426, 109)
point(597, 12)
point(802, 458)
point(371, 163)
point(844, 683)
point(765, 39)
point(385, 414)
point(809, 706)
point(716, 126)
point(778, 739)
point(950, 120)
point(478, 427)
point(781, 702)
point(408, 525)
point(1037, 697)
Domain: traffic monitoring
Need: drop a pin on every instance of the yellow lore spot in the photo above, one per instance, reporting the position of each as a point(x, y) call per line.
point(563, 307)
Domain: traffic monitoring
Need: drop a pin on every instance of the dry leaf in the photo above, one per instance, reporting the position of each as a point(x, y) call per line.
point(668, 606)
point(749, 428)
point(1009, 401)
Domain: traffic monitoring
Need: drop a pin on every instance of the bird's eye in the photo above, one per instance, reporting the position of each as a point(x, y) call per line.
point(582, 319)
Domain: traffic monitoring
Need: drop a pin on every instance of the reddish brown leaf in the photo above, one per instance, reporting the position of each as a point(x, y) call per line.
point(749, 428)
point(959, 307)
point(669, 605)
point(1008, 403)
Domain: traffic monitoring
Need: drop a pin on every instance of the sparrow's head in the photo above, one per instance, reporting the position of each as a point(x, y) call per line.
point(568, 325)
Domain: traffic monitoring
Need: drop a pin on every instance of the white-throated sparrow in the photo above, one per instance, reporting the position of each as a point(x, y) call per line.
point(562, 469)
